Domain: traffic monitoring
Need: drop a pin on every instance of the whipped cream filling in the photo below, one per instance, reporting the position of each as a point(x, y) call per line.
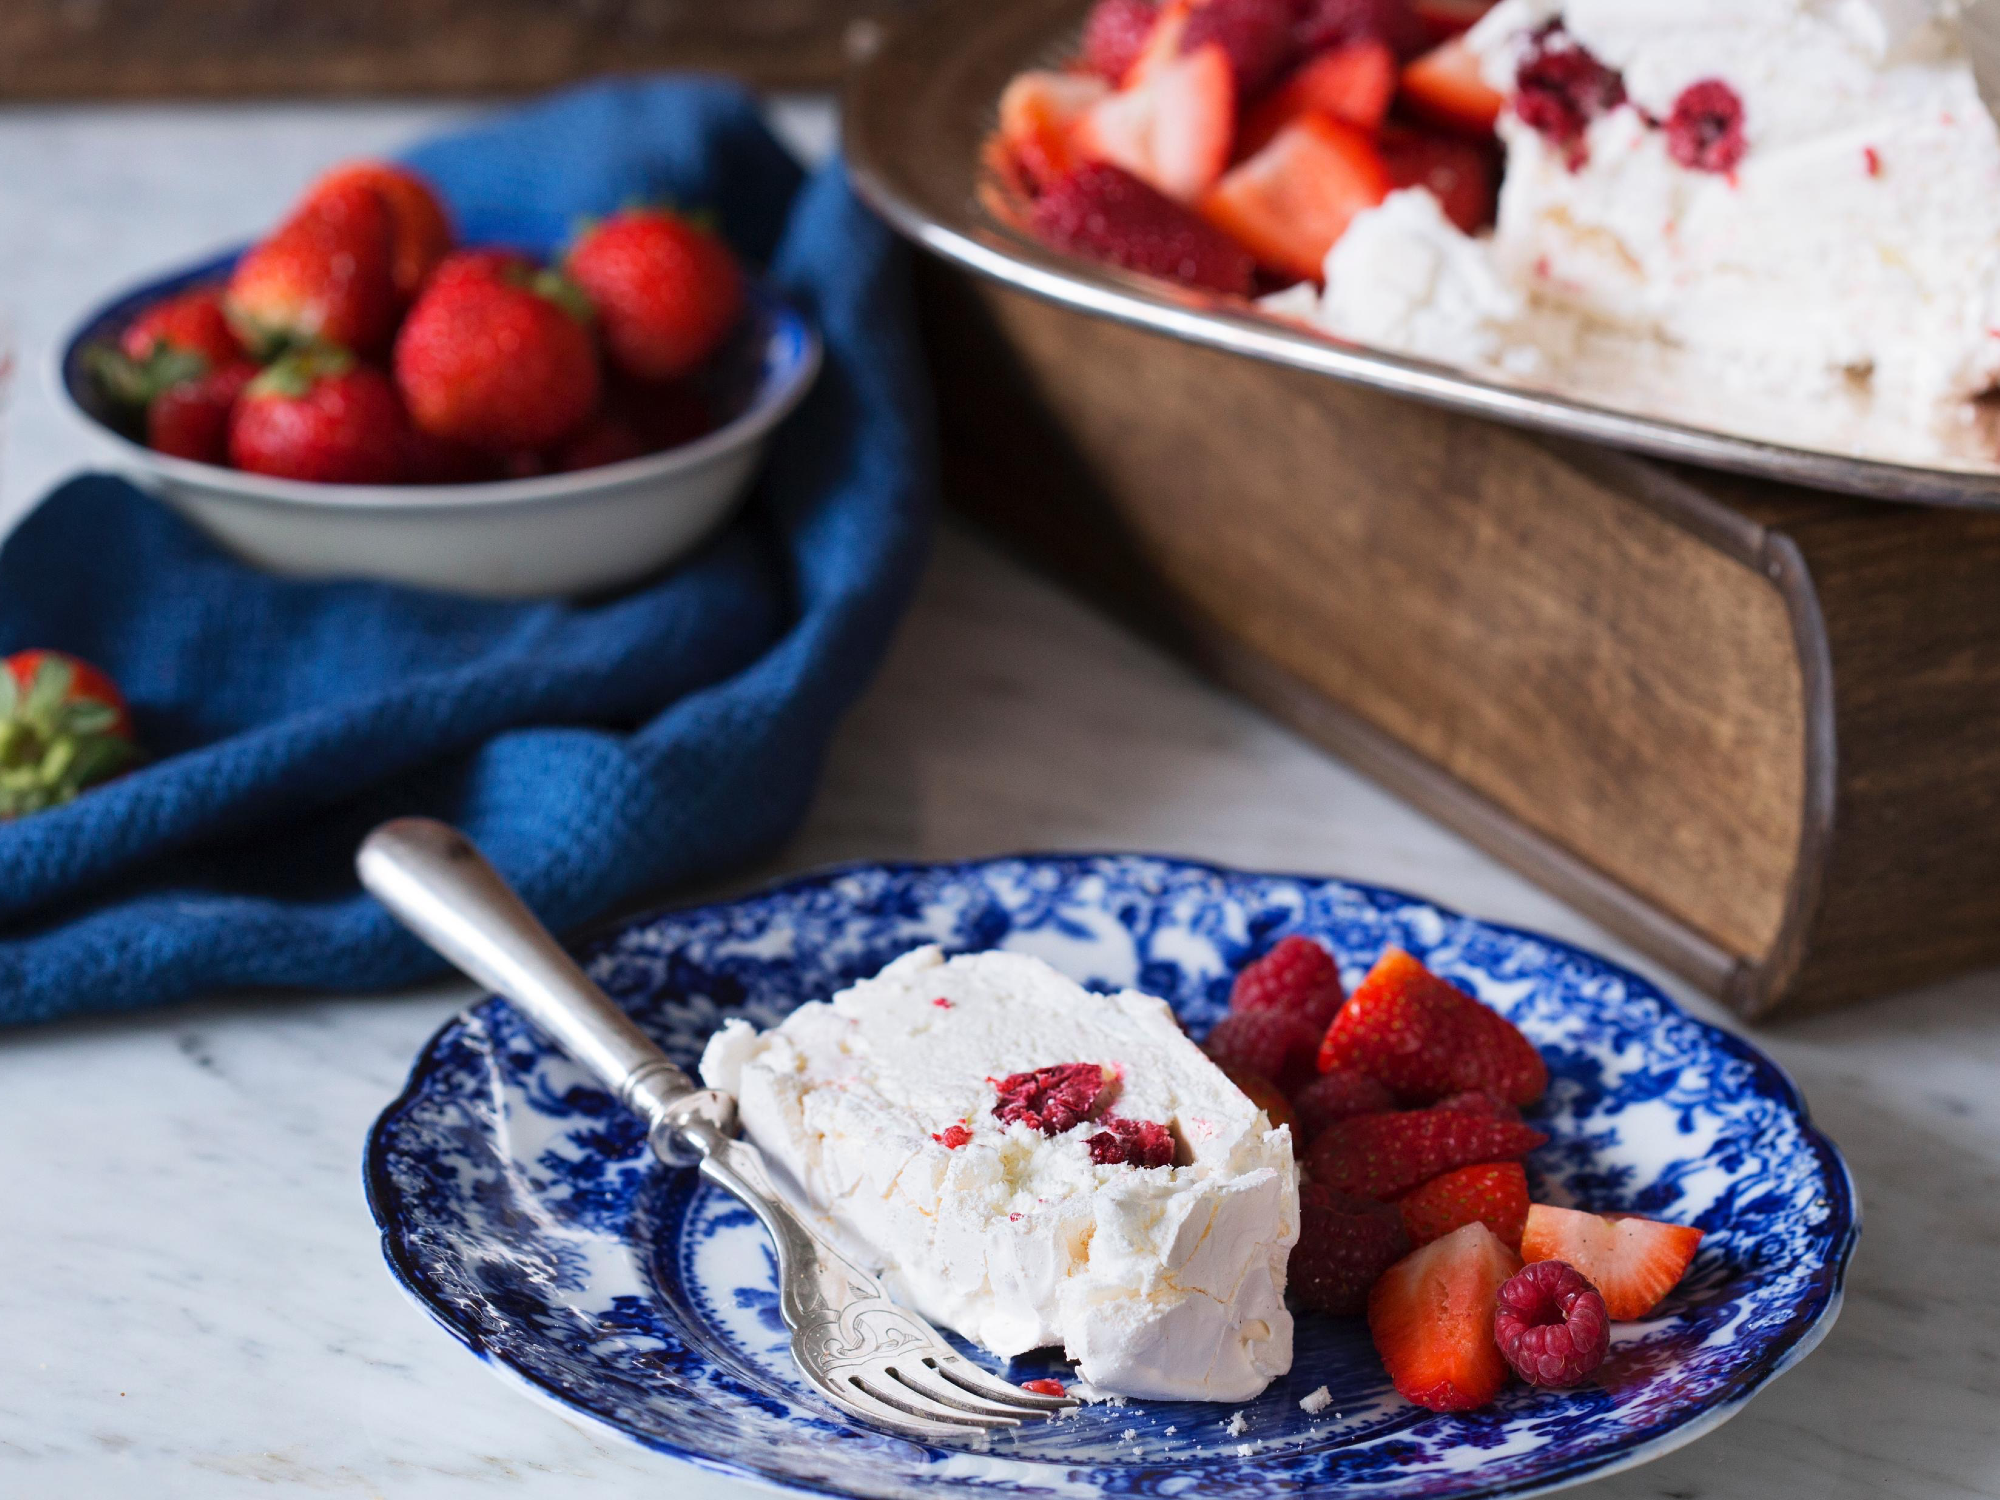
point(1164, 1282)
point(1840, 286)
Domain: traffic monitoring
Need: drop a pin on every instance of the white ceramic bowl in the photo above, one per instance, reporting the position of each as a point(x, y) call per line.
point(519, 538)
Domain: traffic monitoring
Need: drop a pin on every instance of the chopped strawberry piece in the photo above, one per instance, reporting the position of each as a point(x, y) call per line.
point(1290, 202)
point(1263, 1093)
point(1110, 215)
point(1384, 1156)
point(1052, 1099)
point(1446, 88)
point(1173, 130)
point(1444, 19)
point(1633, 1262)
point(1038, 115)
point(1132, 1143)
point(1462, 175)
point(1426, 1039)
point(1339, 1095)
point(1431, 1316)
point(1493, 1193)
point(1045, 1387)
point(1354, 82)
point(1255, 34)
point(1279, 1044)
point(1115, 34)
point(1298, 975)
point(1345, 1244)
point(1335, 23)
point(1162, 44)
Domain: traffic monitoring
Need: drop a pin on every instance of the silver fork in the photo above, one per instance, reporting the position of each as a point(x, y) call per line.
point(873, 1359)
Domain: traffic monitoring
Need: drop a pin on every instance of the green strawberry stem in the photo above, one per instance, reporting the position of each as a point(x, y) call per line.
point(53, 747)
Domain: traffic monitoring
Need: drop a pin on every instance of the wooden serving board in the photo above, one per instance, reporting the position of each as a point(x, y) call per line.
point(1753, 729)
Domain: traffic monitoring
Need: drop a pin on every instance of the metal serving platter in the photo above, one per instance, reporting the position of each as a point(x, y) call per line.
point(921, 104)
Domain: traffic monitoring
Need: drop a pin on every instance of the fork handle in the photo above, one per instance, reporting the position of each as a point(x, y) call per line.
point(437, 883)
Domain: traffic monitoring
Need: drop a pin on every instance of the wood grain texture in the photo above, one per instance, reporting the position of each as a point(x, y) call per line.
point(1754, 729)
point(65, 49)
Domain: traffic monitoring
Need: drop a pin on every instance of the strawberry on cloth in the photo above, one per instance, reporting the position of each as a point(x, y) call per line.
point(64, 727)
point(599, 750)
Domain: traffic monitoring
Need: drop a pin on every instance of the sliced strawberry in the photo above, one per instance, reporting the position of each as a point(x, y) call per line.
point(1263, 1093)
point(1038, 115)
point(1110, 215)
point(1444, 19)
point(1461, 174)
point(1114, 34)
point(1256, 35)
point(1431, 1316)
point(1162, 44)
point(1445, 87)
point(1427, 1039)
point(1633, 1262)
point(1345, 1244)
point(1339, 1095)
point(1384, 1156)
point(1493, 1193)
point(1354, 83)
point(1173, 130)
point(1291, 201)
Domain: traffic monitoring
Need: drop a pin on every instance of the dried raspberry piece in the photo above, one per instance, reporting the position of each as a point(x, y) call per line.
point(1046, 1386)
point(1551, 1325)
point(1298, 975)
point(1136, 1143)
point(1278, 1044)
point(953, 1137)
point(1339, 1095)
point(1705, 129)
point(1345, 1243)
point(1053, 1099)
point(1560, 88)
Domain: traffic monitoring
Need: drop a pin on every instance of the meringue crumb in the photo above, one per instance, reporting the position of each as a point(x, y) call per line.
point(1170, 1431)
point(1242, 1450)
point(1237, 1425)
point(1317, 1402)
point(1130, 1434)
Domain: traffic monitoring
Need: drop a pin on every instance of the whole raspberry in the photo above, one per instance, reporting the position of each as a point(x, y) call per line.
point(1551, 1325)
point(1705, 130)
point(1136, 1143)
point(1298, 975)
point(1052, 1099)
point(1276, 1043)
point(1339, 1095)
point(1345, 1243)
point(1115, 34)
point(1560, 88)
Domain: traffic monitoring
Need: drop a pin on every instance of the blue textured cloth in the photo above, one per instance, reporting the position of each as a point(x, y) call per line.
point(596, 751)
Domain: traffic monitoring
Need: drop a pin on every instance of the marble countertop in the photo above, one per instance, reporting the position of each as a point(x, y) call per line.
point(193, 1303)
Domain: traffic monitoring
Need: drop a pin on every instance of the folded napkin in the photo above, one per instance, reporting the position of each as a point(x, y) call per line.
point(596, 751)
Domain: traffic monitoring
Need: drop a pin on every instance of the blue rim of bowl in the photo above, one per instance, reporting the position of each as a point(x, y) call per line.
point(790, 361)
point(384, 1197)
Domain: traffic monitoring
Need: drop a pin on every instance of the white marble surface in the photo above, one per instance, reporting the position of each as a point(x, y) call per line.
point(193, 1303)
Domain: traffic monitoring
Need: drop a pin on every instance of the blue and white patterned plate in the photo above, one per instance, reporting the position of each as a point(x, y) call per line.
point(520, 1206)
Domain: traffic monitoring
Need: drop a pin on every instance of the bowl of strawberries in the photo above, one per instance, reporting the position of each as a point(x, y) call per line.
point(358, 395)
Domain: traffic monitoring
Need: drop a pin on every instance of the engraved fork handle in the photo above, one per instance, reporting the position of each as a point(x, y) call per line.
point(440, 886)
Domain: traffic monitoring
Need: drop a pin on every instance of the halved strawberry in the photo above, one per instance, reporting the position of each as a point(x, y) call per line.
point(1427, 1039)
point(1445, 87)
point(1114, 34)
point(1633, 1262)
point(1493, 1193)
point(1354, 83)
point(1445, 19)
point(1173, 130)
point(1384, 1156)
point(1289, 203)
point(1038, 115)
point(1162, 44)
point(1431, 1316)
point(1461, 174)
